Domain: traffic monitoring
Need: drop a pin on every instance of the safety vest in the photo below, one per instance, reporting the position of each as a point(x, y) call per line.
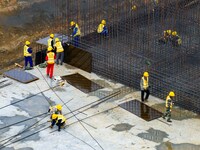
point(50, 58)
point(145, 83)
point(168, 102)
point(49, 42)
point(78, 32)
point(100, 28)
point(59, 47)
point(26, 53)
point(61, 117)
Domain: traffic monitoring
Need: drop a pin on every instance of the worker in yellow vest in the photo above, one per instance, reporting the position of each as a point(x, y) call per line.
point(57, 109)
point(168, 104)
point(59, 51)
point(50, 58)
point(28, 55)
point(76, 33)
point(50, 42)
point(59, 120)
point(102, 29)
point(144, 86)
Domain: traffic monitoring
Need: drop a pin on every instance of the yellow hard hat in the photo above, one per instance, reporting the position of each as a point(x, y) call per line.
point(146, 74)
point(72, 23)
point(59, 107)
point(134, 7)
point(54, 116)
point(171, 93)
point(49, 49)
point(57, 40)
point(51, 35)
point(169, 32)
point(103, 22)
point(27, 43)
point(174, 33)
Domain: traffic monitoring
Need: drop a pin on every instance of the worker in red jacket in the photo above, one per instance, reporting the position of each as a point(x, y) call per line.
point(50, 58)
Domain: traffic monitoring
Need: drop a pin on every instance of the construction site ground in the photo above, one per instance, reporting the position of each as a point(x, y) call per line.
point(94, 120)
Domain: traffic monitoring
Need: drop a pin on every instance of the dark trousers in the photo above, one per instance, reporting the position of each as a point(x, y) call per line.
point(167, 113)
point(59, 56)
point(76, 40)
point(147, 94)
point(28, 59)
point(50, 68)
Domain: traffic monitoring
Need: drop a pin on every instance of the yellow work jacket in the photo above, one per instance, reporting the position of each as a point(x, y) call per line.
point(61, 117)
point(50, 56)
point(26, 53)
point(59, 47)
point(168, 102)
point(100, 28)
point(145, 83)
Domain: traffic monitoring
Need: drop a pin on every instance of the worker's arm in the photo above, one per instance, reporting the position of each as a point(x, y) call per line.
point(74, 31)
point(46, 58)
point(30, 50)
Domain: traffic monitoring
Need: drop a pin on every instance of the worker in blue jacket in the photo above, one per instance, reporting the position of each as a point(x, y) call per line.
point(76, 33)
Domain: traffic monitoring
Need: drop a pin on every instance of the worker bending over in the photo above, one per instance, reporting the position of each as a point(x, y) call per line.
point(144, 86)
point(76, 33)
point(50, 58)
point(59, 120)
point(57, 109)
point(176, 40)
point(166, 36)
point(169, 103)
point(59, 51)
point(28, 55)
point(102, 29)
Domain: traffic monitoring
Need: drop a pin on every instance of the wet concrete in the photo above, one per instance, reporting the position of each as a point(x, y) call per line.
point(183, 146)
point(122, 127)
point(153, 135)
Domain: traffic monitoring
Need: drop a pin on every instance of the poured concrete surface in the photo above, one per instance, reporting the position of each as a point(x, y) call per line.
point(103, 127)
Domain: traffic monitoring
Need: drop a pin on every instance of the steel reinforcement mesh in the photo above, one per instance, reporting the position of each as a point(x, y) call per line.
point(132, 46)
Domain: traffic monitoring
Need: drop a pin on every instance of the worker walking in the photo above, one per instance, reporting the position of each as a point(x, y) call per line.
point(144, 85)
point(28, 55)
point(59, 120)
point(50, 58)
point(169, 103)
point(102, 29)
point(59, 52)
point(76, 33)
point(176, 40)
point(50, 42)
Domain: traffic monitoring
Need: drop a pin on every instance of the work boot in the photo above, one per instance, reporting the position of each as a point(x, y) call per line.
point(168, 120)
point(163, 117)
point(51, 126)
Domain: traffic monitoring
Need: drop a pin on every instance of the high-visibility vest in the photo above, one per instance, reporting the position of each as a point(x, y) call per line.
point(50, 58)
point(59, 47)
point(168, 102)
point(100, 28)
point(145, 83)
point(78, 32)
point(62, 118)
point(26, 53)
point(49, 42)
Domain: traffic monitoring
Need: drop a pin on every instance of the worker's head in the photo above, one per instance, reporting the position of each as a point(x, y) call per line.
point(57, 40)
point(54, 116)
point(49, 49)
point(72, 23)
point(146, 74)
point(174, 33)
point(171, 94)
point(59, 107)
point(27, 43)
point(52, 36)
point(169, 32)
point(103, 22)
point(134, 7)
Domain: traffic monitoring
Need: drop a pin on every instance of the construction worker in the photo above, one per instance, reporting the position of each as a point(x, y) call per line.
point(169, 103)
point(166, 36)
point(50, 58)
point(50, 42)
point(57, 109)
point(59, 120)
point(176, 40)
point(144, 85)
point(28, 55)
point(102, 29)
point(59, 51)
point(76, 33)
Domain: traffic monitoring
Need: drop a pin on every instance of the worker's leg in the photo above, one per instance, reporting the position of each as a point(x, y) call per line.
point(147, 94)
point(25, 62)
point(48, 66)
point(31, 62)
point(57, 58)
point(76, 41)
point(169, 116)
point(142, 95)
point(51, 70)
point(61, 58)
